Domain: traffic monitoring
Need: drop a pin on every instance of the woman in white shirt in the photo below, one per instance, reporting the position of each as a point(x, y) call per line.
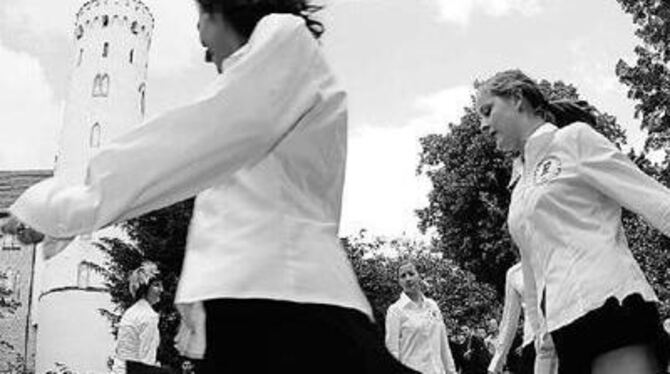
point(266, 285)
point(565, 216)
point(415, 331)
point(138, 335)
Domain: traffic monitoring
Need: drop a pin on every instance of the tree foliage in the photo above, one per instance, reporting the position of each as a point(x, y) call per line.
point(461, 298)
point(469, 199)
point(649, 246)
point(648, 80)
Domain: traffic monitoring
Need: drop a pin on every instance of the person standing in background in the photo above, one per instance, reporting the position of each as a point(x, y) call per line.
point(415, 331)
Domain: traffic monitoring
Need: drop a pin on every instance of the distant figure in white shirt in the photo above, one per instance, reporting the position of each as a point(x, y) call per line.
point(266, 285)
point(565, 217)
point(415, 330)
point(530, 362)
point(138, 335)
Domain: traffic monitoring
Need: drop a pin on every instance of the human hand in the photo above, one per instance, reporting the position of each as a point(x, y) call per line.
point(26, 235)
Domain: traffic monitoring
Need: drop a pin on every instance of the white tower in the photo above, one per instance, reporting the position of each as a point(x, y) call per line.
point(106, 98)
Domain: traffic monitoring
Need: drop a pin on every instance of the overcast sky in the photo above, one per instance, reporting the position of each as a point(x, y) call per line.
point(408, 66)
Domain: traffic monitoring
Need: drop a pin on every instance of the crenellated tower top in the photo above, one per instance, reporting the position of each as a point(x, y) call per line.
point(132, 15)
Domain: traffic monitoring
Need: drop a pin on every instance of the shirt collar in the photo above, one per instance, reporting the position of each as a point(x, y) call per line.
point(536, 142)
point(405, 300)
point(234, 58)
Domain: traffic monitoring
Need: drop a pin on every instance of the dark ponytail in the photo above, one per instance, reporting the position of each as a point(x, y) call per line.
point(511, 83)
point(565, 112)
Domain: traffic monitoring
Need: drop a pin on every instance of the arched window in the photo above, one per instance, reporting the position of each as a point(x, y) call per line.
point(134, 27)
point(94, 139)
point(83, 275)
point(101, 85)
point(142, 90)
point(79, 32)
point(81, 56)
point(132, 54)
point(105, 21)
point(105, 49)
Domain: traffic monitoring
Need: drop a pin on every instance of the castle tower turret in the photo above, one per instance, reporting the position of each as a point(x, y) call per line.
point(106, 98)
point(108, 84)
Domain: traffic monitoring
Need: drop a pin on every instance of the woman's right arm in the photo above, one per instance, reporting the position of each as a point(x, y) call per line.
point(393, 332)
point(510, 321)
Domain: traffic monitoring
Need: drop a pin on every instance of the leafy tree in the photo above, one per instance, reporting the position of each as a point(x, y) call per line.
point(648, 79)
point(651, 248)
point(461, 298)
point(470, 196)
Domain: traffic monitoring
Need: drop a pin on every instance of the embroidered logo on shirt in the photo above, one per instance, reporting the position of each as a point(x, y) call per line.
point(547, 170)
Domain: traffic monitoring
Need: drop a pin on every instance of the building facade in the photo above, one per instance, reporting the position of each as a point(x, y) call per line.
point(17, 261)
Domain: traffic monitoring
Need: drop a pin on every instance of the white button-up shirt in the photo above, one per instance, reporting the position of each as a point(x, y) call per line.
point(266, 155)
point(138, 337)
point(565, 216)
point(417, 337)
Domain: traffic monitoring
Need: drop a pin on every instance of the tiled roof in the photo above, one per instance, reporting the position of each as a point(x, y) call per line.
point(13, 183)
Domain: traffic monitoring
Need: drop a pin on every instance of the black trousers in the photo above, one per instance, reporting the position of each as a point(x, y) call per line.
point(133, 367)
point(612, 326)
point(267, 336)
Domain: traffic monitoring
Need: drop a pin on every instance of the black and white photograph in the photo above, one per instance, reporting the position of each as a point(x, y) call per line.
point(335, 186)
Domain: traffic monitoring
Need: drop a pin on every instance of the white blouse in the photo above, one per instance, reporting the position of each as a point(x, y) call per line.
point(565, 217)
point(265, 154)
point(138, 337)
point(417, 337)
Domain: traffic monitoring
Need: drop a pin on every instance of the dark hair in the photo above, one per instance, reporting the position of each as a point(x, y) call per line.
point(404, 262)
point(510, 83)
point(143, 289)
point(245, 14)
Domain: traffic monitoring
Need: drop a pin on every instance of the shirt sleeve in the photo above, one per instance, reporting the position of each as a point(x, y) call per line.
point(393, 332)
point(260, 99)
point(510, 321)
point(607, 169)
point(530, 296)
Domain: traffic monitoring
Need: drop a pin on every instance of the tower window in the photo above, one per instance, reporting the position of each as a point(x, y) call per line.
point(79, 32)
point(83, 275)
point(142, 90)
point(105, 49)
point(132, 53)
point(134, 27)
point(94, 138)
point(101, 85)
point(105, 21)
point(81, 57)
